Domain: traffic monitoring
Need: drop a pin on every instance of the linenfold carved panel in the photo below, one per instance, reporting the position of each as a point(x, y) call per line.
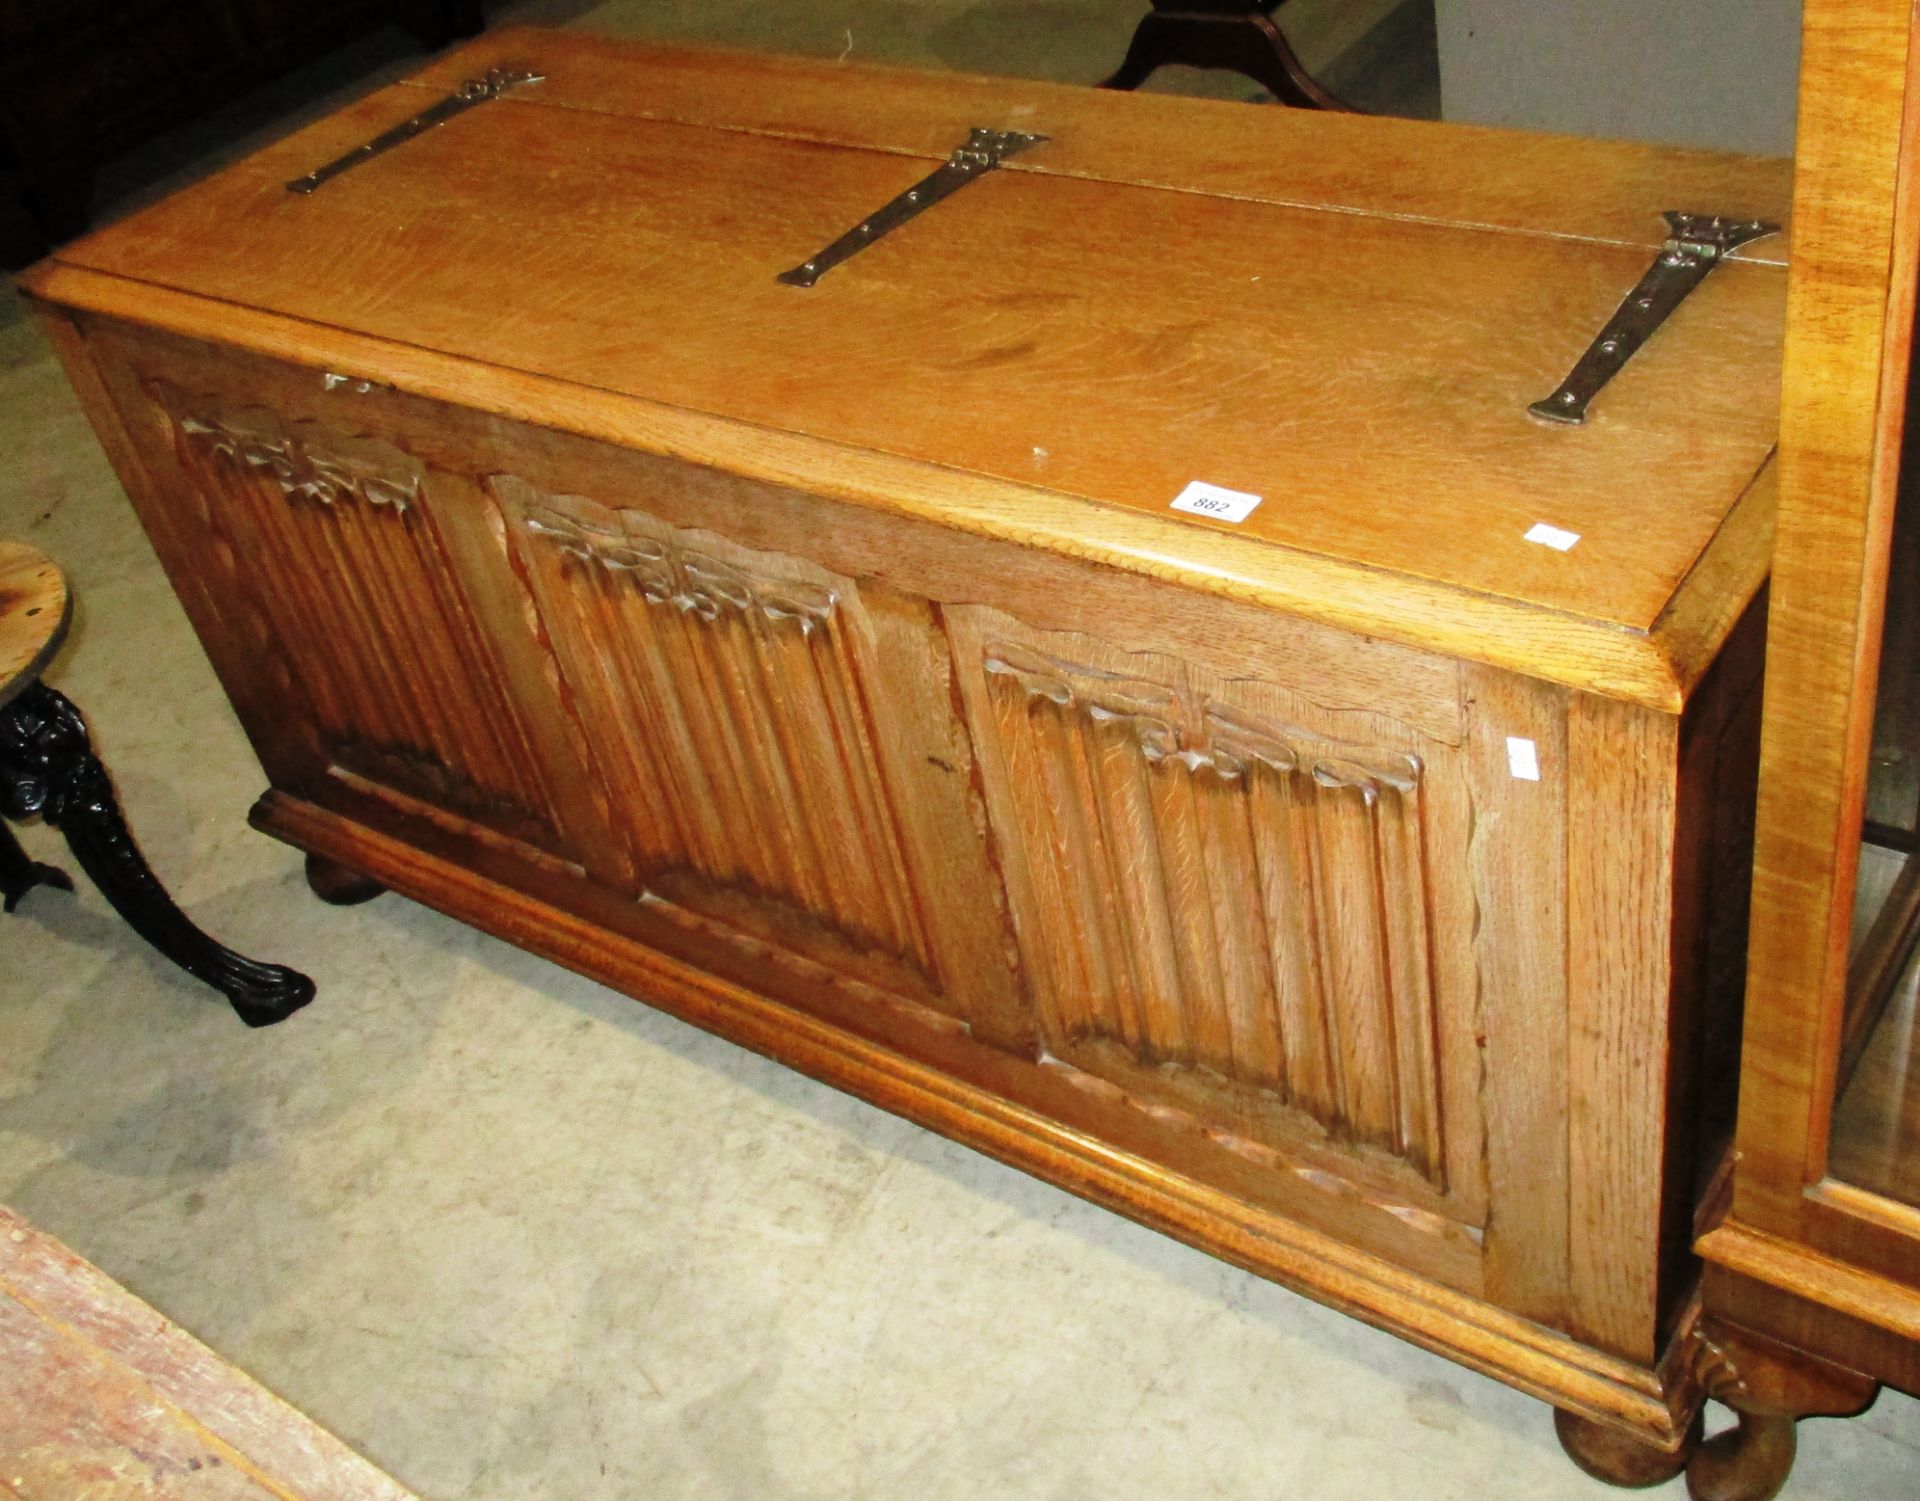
point(326, 535)
point(1216, 895)
point(309, 462)
point(731, 694)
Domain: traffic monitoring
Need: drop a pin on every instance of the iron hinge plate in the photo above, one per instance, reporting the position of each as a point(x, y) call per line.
point(474, 91)
point(982, 151)
point(1695, 244)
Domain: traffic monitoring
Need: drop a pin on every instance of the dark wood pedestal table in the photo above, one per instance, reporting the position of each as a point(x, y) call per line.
point(1238, 35)
point(47, 767)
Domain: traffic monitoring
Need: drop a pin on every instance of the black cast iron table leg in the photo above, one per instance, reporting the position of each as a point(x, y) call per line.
point(19, 875)
point(47, 766)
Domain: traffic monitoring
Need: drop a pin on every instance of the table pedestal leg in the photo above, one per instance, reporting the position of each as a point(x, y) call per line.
point(47, 766)
point(1238, 35)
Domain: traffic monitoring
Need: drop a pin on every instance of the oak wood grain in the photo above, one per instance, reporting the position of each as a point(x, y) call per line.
point(1518, 858)
point(1380, 1137)
point(1622, 779)
point(974, 342)
point(1658, 667)
point(1279, 673)
point(639, 257)
point(1224, 902)
point(1512, 181)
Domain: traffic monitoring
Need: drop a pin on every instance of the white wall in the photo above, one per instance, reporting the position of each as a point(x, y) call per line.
point(1699, 72)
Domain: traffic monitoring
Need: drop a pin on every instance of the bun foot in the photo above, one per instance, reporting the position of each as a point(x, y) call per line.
point(339, 886)
point(1610, 1455)
point(1750, 1462)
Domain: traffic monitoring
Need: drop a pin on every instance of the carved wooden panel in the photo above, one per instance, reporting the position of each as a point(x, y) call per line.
point(735, 705)
point(329, 540)
point(1221, 907)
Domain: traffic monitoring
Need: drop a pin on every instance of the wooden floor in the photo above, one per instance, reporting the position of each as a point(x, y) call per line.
point(100, 1396)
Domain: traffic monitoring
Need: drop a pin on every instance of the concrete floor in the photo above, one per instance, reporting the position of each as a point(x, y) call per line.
point(514, 1236)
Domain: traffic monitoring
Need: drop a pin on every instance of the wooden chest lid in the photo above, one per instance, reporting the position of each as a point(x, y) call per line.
point(1345, 316)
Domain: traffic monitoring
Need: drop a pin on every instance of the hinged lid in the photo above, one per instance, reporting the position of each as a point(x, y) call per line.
point(1346, 317)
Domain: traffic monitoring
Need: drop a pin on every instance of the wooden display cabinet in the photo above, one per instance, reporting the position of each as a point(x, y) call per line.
point(1812, 1289)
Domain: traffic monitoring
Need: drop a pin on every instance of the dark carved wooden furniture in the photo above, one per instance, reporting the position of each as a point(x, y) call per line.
point(83, 79)
point(1812, 1289)
point(1240, 36)
point(48, 769)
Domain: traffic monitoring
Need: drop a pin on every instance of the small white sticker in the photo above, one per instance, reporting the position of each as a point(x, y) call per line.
point(1203, 499)
point(1523, 759)
point(1551, 536)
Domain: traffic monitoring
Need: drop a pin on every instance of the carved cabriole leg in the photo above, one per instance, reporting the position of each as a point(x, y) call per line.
point(340, 885)
point(1748, 1462)
point(1770, 1387)
point(47, 766)
point(1610, 1455)
point(19, 875)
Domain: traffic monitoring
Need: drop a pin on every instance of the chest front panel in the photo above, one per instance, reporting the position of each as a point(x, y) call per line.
point(713, 683)
point(1262, 901)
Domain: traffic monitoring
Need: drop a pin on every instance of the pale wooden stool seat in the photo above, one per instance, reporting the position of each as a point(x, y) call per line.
point(34, 610)
point(47, 767)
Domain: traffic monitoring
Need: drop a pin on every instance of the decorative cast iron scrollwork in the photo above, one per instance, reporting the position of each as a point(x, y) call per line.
point(47, 767)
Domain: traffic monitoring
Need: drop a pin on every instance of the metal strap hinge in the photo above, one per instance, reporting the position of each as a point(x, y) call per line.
point(1696, 243)
point(984, 150)
point(473, 91)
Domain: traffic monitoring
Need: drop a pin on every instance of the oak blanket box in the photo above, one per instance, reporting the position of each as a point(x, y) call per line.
point(1085, 645)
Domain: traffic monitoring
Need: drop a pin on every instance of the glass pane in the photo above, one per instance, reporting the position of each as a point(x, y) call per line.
point(1876, 1127)
point(1876, 1122)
